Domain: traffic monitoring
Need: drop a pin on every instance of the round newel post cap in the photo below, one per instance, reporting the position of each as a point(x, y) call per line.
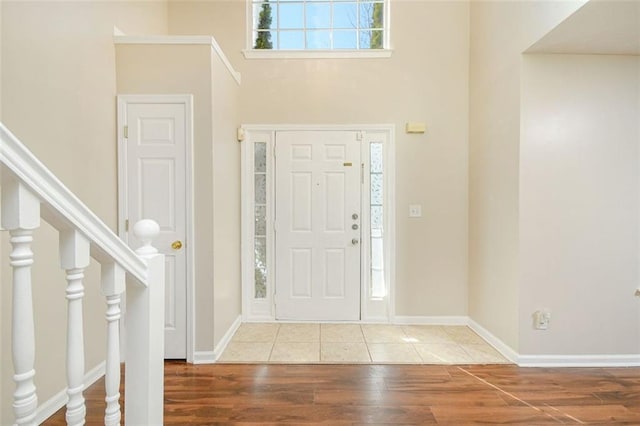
point(146, 230)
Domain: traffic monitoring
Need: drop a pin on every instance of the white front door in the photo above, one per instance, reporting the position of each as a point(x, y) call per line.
point(317, 229)
point(154, 177)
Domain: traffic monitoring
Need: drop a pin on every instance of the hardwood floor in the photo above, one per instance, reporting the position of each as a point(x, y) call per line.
point(390, 394)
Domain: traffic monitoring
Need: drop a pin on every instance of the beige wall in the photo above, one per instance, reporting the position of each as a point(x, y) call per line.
point(500, 32)
point(58, 80)
point(145, 69)
point(579, 187)
point(424, 80)
point(227, 296)
point(196, 69)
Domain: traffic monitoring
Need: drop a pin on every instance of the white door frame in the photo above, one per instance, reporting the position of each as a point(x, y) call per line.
point(263, 309)
point(187, 101)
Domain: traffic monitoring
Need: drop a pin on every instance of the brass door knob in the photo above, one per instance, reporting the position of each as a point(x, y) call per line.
point(176, 245)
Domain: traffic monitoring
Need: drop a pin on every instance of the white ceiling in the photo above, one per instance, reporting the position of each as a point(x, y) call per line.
point(607, 27)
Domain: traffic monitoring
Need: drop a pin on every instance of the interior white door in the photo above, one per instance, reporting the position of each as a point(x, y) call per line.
point(156, 189)
point(317, 237)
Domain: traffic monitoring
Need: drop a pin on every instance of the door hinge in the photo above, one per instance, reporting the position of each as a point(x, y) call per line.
point(362, 173)
point(359, 136)
point(126, 132)
point(126, 225)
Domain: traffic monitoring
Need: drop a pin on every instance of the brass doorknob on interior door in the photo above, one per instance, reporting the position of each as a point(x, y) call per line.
point(176, 245)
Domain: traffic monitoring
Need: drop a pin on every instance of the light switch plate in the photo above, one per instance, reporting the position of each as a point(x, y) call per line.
point(415, 210)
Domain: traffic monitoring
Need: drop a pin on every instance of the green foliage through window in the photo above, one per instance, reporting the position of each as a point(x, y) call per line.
point(318, 24)
point(263, 40)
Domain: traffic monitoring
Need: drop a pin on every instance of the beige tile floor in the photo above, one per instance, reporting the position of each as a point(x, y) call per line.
point(310, 343)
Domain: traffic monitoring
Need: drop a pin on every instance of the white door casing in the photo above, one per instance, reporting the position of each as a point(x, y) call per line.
point(317, 225)
point(153, 184)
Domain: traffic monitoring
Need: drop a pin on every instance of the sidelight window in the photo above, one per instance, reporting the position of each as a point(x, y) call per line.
point(260, 218)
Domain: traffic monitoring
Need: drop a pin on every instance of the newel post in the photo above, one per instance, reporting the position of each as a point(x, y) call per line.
point(144, 372)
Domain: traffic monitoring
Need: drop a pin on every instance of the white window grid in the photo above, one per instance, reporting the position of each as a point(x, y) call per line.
point(357, 28)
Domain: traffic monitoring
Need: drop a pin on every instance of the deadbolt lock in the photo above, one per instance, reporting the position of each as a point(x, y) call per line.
point(354, 216)
point(354, 226)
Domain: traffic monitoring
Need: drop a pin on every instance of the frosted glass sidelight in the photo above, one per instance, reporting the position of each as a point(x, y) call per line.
point(377, 288)
point(260, 267)
point(376, 157)
point(260, 157)
point(376, 189)
point(261, 221)
point(260, 189)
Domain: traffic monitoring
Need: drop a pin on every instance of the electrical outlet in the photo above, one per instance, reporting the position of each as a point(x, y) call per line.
point(541, 320)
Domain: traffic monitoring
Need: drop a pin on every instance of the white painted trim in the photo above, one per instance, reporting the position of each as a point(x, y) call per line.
point(254, 309)
point(59, 400)
point(389, 176)
point(317, 54)
point(187, 100)
point(317, 127)
point(436, 320)
point(375, 309)
point(179, 40)
point(204, 357)
point(631, 360)
point(498, 344)
point(267, 133)
point(62, 208)
point(222, 344)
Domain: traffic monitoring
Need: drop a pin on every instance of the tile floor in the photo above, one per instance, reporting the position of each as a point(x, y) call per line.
point(310, 343)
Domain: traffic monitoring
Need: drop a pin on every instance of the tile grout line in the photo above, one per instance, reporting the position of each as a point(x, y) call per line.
point(401, 329)
point(273, 343)
point(366, 344)
point(513, 396)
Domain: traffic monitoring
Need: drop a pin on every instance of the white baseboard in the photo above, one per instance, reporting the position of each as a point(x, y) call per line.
point(632, 360)
point(53, 404)
point(210, 357)
point(443, 320)
point(498, 344)
point(222, 345)
point(204, 357)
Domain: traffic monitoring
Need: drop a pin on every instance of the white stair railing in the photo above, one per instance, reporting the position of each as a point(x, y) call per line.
point(31, 192)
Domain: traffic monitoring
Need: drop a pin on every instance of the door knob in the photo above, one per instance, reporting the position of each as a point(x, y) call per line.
point(176, 245)
point(354, 241)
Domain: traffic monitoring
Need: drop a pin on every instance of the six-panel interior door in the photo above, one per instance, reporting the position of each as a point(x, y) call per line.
point(317, 256)
point(156, 187)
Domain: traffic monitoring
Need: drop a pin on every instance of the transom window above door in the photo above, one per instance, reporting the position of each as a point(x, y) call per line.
point(318, 28)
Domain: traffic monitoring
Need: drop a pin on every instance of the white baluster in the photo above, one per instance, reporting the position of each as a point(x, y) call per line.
point(113, 284)
point(74, 258)
point(144, 373)
point(20, 215)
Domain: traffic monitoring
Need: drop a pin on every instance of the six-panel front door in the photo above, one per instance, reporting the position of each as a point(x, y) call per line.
point(317, 257)
point(155, 156)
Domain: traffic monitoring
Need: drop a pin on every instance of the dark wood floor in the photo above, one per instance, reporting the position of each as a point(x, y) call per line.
point(390, 394)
